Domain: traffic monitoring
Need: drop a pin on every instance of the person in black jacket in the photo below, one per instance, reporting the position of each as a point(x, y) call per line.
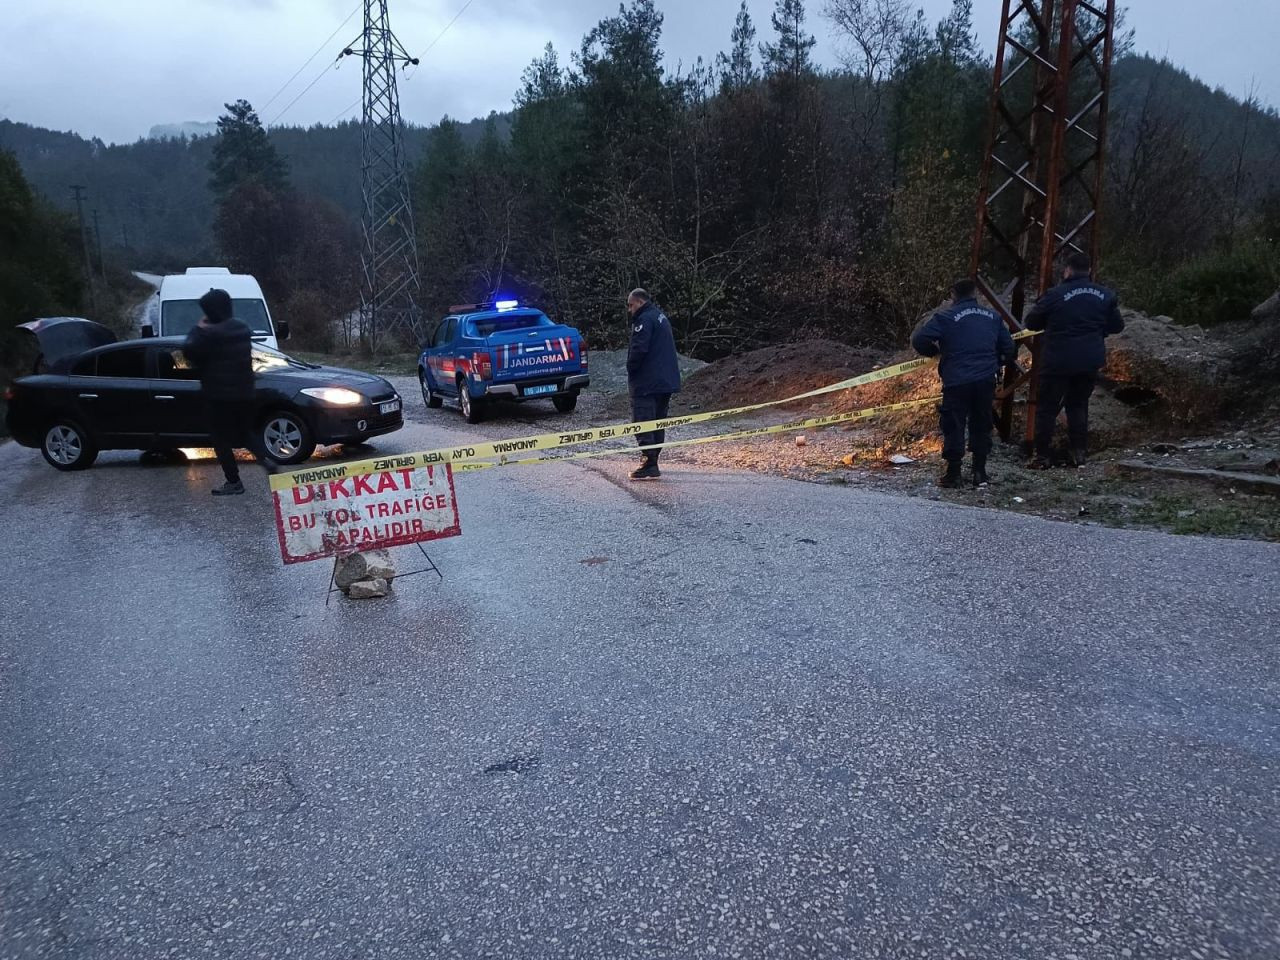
point(653, 375)
point(1076, 317)
point(974, 343)
point(220, 348)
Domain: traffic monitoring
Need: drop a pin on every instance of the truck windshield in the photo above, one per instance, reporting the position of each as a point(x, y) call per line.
point(515, 321)
point(177, 317)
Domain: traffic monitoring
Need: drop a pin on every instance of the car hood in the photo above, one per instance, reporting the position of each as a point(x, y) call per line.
point(365, 383)
point(61, 338)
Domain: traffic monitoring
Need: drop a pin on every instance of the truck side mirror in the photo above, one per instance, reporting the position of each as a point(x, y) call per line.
point(148, 330)
point(282, 330)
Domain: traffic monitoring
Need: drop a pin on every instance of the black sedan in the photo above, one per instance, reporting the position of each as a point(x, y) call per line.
point(90, 393)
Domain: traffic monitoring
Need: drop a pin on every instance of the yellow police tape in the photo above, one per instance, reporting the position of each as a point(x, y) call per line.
point(554, 441)
point(812, 423)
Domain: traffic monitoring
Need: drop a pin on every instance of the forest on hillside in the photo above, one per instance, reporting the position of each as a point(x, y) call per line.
point(757, 195)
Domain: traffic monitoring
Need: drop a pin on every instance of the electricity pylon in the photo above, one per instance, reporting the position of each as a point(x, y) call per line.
point(390, 289)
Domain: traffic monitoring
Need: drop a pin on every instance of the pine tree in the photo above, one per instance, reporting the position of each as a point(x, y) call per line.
point(542, 80)
point(243, 154)
point(790, 56)
point(737, 72)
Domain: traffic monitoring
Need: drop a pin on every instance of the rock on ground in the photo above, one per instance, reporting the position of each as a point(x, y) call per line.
point(371, 565)
point(1268, 311)
point(1175, 373)
point(368, 589)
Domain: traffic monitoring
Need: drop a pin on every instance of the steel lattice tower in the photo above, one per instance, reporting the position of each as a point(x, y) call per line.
point(390, 288)
point(1041, 187)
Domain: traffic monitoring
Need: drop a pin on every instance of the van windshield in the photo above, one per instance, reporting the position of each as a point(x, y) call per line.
point(177, 317)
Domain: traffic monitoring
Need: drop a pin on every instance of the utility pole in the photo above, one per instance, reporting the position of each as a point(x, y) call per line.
point(78, 190)
point(97, 241)
point(390, 288)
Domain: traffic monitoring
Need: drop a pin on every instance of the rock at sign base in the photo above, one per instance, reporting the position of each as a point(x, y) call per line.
point(368, 589)
point(373, 565)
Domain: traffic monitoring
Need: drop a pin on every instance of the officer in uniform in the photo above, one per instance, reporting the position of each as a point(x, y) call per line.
point(653, 375)
point(1075, 317)
point(973, 342)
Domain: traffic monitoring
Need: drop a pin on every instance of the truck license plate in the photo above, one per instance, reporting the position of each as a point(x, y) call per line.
point(391, 406)
point(535, 391)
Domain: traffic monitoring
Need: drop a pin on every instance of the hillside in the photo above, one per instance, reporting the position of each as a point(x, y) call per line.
point(152, 195)
point(153, 202)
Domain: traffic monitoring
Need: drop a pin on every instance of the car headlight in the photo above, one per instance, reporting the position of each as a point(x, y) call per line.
point(338, 396)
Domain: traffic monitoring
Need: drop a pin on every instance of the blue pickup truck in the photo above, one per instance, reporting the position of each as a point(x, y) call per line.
point(484, 351)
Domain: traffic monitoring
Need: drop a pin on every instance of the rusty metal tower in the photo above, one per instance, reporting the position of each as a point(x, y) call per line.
point(1041, 182)
point(390, 289)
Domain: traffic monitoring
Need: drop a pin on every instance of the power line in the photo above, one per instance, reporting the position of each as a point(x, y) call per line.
point(275, 95)
point(442, 33)
point(305, 90)
point(439, 37)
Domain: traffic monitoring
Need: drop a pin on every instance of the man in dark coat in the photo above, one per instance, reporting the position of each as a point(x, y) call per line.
point(973, 343)
point(1076, 317)
point(653, 375)
point(220, 348)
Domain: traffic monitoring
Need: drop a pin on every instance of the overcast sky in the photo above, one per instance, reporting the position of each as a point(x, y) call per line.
point(114, 69)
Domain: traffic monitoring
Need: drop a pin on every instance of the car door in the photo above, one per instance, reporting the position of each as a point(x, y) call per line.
point(115, 401)
point(177, 402)
point(440, 362)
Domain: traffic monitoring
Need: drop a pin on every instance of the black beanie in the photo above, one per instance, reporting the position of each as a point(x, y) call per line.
point(216, 305)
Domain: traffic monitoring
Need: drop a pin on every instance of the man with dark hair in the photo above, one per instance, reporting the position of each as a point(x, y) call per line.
point(1076, 316)
point(220, 348)
point(973, 342)
point(653, 375)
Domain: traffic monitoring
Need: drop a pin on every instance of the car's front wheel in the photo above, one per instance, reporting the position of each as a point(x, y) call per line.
point(565, 402)
point(286, 437)
point(429, 398)
point(66, 446)
point(473, 410)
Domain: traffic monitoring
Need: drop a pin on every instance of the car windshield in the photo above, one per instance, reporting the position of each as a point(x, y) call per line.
point(266, 359)
point(177, 317)
point(516, 321)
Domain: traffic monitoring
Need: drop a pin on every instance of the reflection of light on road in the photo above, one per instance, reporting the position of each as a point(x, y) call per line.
point(198, 453)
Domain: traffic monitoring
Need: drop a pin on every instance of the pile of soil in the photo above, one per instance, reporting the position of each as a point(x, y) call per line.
point(772, 373)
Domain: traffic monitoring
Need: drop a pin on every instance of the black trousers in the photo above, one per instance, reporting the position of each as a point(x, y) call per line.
point(650, 406)
point(231, 424)
point(1058, 390)
point(968, 405)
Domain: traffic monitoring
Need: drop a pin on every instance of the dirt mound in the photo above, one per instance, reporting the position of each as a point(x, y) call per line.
point(1169, 373)
point(1268, 311)
point(772, 373)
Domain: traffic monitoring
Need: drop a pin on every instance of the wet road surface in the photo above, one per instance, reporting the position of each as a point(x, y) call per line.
point(725, 715)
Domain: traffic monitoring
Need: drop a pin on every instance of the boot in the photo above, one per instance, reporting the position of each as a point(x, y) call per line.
point(232, 488)
point(980, 478)
point(951, 478)
point(1077, 456)
point(649, 471)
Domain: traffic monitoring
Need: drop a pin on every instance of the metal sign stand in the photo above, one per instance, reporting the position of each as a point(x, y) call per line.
point(429, 568)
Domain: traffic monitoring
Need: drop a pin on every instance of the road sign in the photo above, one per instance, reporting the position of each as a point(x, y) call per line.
point(330, 512)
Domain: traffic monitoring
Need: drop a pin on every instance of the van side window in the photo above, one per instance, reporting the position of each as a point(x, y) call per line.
point(84, 367)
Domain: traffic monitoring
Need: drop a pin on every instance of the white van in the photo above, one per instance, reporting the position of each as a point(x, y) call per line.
point(179, 304)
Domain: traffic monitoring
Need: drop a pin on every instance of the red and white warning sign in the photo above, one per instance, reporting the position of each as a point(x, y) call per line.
point(332, 511)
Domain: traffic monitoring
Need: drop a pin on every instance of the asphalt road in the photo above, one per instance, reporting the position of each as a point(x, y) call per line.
point(724, 715)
